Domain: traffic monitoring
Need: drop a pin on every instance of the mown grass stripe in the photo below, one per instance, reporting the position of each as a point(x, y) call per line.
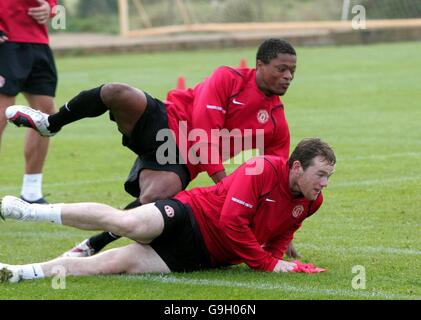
point(381, 250)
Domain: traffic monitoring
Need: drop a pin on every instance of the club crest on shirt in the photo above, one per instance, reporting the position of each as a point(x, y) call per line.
point(262, 116)
point(169, 211)
point(297, 211)
point(2, 81)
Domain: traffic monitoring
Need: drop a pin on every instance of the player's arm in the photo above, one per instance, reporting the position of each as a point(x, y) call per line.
point(218, 176)
point(209, 110)
point(237, 213)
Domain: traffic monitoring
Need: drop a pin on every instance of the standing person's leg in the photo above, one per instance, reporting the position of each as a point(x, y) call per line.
point(5, 101)
point(35, 152)
point(132, 259)
point(9, 84)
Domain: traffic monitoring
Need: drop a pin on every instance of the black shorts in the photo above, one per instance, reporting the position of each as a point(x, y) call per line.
point(144, 143)
point(27, 67)
point(180, 245)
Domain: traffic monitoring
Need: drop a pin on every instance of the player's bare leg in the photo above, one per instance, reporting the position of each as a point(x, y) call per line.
point(132, 259)
point(5, 101)
point(36, 147)
point(142, 224)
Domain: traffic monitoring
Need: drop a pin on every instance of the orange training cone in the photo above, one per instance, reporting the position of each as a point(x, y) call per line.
point(181, 83)
point(243, 63)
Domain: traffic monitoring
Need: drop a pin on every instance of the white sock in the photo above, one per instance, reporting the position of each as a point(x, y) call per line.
point(47, 212)
point(28, 271)
point(32, 187)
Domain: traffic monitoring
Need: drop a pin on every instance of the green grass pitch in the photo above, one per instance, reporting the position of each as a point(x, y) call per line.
point(364, 100)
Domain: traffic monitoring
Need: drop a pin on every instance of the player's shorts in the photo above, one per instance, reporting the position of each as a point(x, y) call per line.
point(27, 67)
point(144, 143)
point(180, 245)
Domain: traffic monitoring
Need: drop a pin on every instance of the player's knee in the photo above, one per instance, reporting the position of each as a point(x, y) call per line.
point(138, 227)
point(114, 91)
point(128, 226)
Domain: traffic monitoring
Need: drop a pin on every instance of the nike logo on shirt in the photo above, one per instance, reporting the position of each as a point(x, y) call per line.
point(238, 102)
point(269, 200)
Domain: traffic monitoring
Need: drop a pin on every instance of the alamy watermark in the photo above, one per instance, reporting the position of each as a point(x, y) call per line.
point(359, 18)
point(201, 147)
point(359, 281)
point(58, 22)
point(58, 281)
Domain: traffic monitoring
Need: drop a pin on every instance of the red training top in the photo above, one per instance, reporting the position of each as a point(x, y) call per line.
point(250, 218)
point(18, 25)
point(231, 99)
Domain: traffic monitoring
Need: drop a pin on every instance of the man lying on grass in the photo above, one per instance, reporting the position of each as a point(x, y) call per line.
point(248, 217)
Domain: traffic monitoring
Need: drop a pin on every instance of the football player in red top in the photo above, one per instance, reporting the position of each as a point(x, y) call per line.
point(27, 66)
point(248, 217)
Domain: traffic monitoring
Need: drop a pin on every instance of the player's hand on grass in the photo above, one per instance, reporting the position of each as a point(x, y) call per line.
point(284, 266)
point(292, 252)
point(3, 37)
point(42, 13)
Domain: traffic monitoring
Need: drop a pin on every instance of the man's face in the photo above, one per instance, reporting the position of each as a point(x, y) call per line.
point(275, 77)
point(311, 181)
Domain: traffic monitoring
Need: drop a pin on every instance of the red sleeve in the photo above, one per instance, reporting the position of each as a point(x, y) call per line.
point(52, 4)
point(209, 110)
point(238, 211)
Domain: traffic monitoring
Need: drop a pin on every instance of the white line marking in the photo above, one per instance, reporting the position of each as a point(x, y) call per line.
point(271, 286)
point(68, 183)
